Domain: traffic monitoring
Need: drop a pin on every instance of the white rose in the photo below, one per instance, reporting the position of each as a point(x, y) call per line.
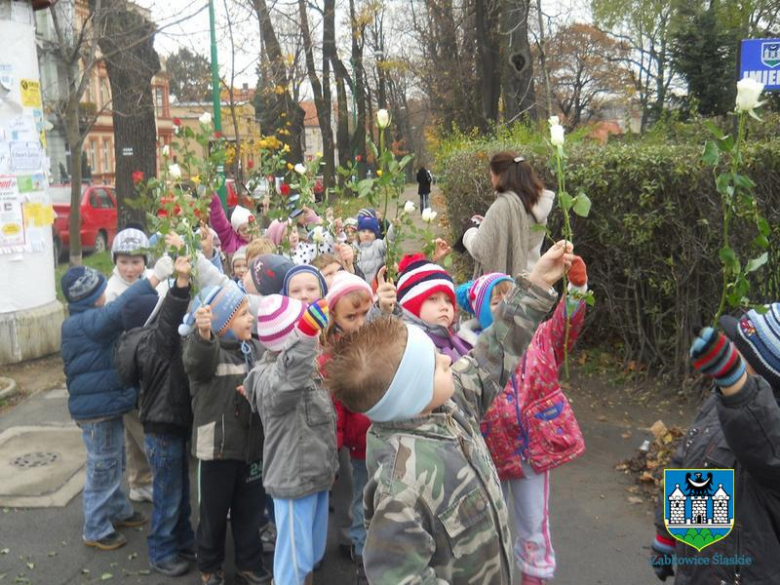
point(318, 234)
point(556, 135)
point(166, 151)
point(409, 207)
point(300, 169)
point(205, 118)
point(383, 119)
point(748, 92)
point(428, 215)
point(174, 171)
point(554, 121)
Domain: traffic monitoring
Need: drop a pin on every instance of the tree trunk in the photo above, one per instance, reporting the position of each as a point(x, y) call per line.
point(75, 144)
point(359, 132)
point(543, 60)
point(131, 63)
point(519, 97)
point(328, 51)
point(489, 58)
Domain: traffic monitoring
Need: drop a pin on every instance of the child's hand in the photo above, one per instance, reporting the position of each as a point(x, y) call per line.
point(241, 390)
point(385, 292)
point(713, 355)
point(578, 273)
point(314, 319)
point(182, 268)
point(173, 240)
point(329, 215)
point(347, 256)
point(163, 269)
point(203, 322)
point(338, 225)
point(550, 267)
point(206, 241)
point(442, 250)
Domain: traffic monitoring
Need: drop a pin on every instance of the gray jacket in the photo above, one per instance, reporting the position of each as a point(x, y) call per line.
point(299, 420)
point(370, 257)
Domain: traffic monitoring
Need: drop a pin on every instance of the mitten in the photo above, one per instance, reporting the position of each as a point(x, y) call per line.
point(578, 273)
point(661, 557)
point(314, 319)
point(715, 356)
point(163, 268)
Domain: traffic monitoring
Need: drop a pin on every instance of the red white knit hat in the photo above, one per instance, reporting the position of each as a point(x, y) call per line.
point(419, 279)
point(276, 319)
point(344, 283)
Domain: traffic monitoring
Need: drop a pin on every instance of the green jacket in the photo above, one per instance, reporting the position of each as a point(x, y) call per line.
point(433, 504)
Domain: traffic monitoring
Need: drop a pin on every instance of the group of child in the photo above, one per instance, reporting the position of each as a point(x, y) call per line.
point(269, 369)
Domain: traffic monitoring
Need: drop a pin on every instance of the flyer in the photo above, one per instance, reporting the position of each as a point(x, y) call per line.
point(11, 216)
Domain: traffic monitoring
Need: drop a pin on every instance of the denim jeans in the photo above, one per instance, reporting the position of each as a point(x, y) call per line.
point(103, 499)
point(171, 529)
point(357, 532)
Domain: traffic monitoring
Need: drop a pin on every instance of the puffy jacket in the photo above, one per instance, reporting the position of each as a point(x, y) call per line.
point(447, 342)
point(224, 426)
point(299, 457)
point(532, 419)
point(370, 257)
point(152, 358)
point(739, 432)
point(228, 237)
point(88, 339)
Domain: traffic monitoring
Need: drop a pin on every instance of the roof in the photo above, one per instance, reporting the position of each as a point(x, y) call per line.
point(721, 494)
point(677, 493)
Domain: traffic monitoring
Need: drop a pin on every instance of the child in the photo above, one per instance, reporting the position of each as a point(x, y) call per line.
point(227, 437)
point(266, 274)
point(257, 247)
point(350, 230)
point(342, 259)
point(152, 358)
point(210, 246)
point(299, 460)
point(737, 428)
point(427, 295)
point(530, 428)
point(304, 283)
point(98, 399)
point(238, 264)
point(234, 233)
point(371, 250)
point(433, 503)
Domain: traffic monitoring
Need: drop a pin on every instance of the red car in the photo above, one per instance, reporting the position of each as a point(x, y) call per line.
point(98, 217)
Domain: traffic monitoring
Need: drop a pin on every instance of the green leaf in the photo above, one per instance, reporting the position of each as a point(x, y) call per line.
point(711, 155)
point(763, 226)
point(447, 261)
point(538, 227)
point(743, 181)
point(761, 241)
point(714, 130)
point(726, 144)
point(757, 262)
point(565, 200)
point(729, 259)
point(754, 115)
point(582, 205)
point(723, 184)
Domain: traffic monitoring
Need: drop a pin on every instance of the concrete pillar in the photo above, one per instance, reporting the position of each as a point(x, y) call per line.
point(30, 316)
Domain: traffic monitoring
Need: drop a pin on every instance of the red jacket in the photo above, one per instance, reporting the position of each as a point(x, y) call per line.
point(351, 427)
point(532, 419)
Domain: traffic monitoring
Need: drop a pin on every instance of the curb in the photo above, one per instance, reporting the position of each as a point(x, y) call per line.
point(12, 390)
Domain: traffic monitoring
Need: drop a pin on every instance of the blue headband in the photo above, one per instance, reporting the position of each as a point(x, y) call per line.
point(412, 387)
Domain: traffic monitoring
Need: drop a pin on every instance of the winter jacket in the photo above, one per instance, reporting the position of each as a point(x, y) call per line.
point(423, 182)
point(117, 285)
point(433, 503)
point(740, 432)
point(531, 419)
point(224, 426)
point(228, 237)
point(299, 458)
point(370, 257)
point(443, 338)
point(88, 339)
point(151, 357)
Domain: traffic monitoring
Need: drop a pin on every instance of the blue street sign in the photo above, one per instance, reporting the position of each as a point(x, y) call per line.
point(760, 60)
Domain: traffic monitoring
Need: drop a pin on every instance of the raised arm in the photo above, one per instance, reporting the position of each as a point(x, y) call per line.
point(219, 221)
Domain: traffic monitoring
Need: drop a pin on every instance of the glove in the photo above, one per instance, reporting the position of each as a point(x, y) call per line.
point(661, 557)
point(715, 356)
point(578, 273)
point(314, 319)
point(163, 268)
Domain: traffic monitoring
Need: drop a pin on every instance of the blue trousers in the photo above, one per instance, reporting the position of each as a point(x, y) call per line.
point(103, 499)
point(301, 534)
point(171, 528)
point(357, 532)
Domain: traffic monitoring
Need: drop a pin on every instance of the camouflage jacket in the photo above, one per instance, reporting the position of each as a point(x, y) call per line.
point(433, 505)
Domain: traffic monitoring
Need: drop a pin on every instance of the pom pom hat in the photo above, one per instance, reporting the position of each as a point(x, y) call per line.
point(344, 283)
point(474, 296)
point(240, 216)
point(303, 269)
point(420, 279)
point(277, 317)
point(225, 302)
point(757, 338)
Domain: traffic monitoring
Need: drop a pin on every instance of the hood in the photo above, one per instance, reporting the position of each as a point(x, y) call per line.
point(542, 209)
point(469, 331)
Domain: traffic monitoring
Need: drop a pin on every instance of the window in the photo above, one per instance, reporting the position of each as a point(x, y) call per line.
point(159, 103)
point(103, 199)
point(93, 148)
point(105, 94)
point(106, 156)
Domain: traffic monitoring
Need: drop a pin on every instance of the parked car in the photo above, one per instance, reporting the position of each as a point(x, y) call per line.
point(98, 217)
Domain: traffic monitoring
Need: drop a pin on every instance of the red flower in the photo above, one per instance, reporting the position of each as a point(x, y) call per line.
point(250, 164)
point(218, 134)
point(358, 158)
point(284, 189)
point(177, 121)
point(138, 176)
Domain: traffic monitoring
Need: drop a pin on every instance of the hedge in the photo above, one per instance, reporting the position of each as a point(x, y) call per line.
point(652, 239)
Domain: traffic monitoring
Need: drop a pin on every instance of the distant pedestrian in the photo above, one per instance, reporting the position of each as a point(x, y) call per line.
point(424, 180)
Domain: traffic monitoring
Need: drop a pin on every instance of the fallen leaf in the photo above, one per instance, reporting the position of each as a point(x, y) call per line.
point(52, 553)
point(602, 418)
point(5, 551)
point(85, 571)
point(635, 500)
point(626, 435)
point(130, 557)
point(621, 467)
point(658, 429)
point(30, 566)
point(633, 489)
point(647, 477)
point(145, 572)
point(106, 576)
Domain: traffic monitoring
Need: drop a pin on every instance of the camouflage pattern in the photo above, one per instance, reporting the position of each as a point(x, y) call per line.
point(433, 504)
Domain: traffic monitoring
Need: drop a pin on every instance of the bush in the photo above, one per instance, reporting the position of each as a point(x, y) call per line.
point(651, 241)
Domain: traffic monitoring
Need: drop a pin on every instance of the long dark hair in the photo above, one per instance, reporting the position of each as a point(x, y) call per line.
point(516, 175)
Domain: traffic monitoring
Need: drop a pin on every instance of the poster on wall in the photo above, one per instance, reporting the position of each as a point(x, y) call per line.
point(11, 216)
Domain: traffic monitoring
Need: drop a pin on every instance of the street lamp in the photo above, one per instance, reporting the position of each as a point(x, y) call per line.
point(215, 98)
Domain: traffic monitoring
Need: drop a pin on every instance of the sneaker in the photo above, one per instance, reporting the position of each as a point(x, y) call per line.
point(142, 494)
point(261, 577)
point(188, 554)
point(173, 567)
point(212, 578)
point(135, 519)
point(112, 541)
point(268, 538)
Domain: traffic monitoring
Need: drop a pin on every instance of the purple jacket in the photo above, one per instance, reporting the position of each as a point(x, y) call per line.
point(230, 240)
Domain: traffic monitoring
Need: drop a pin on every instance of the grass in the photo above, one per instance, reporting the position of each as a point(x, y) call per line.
point(101, 262)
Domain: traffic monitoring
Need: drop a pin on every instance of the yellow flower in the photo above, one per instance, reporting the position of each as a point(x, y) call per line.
point(195, 179)
point(317, 155)
point(282, 115)
point(279, 90)
point(286, 148)
point(379, 173)
point(290, 166)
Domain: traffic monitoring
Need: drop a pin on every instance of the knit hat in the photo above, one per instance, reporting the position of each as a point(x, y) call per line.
point(474, 296)
point(418, 279)
point(351, 222)
point(239, 254)
point(130, 242)
point(277, 316)
point(224, 300)
point(268, 272)
point(82, 286)
point(275, 231)
point(302, 269)
point(344, 283)
point(366, 222)
point(757, 338)
point(367, 212)
point(240, 216)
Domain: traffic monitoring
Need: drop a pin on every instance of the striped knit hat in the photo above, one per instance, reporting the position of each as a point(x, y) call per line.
point(344, 283)
point(757, 338)
point(225, 302)
point(474, 296)
point(418, 279)
point(304, 269)
point(276, 319)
